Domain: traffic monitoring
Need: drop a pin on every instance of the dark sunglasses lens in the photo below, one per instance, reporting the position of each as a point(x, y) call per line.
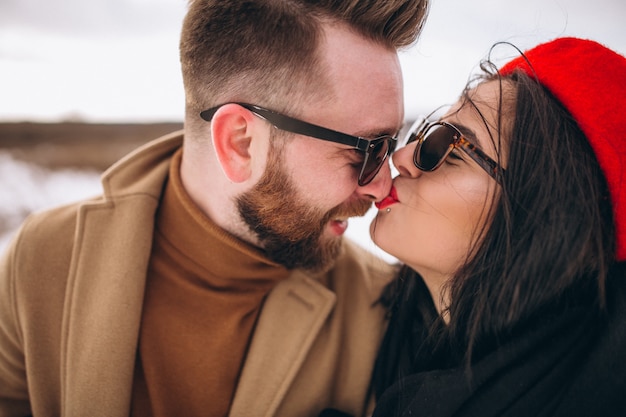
point(374, 161)
point(437, 140)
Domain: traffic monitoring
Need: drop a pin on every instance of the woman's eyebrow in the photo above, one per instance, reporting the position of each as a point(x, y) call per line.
point(468, 133)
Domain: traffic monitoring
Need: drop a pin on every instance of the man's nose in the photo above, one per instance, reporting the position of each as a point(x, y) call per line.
point(379, 187)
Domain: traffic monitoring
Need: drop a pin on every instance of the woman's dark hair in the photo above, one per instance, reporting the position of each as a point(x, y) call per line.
point(551, 240)
point(552, 228)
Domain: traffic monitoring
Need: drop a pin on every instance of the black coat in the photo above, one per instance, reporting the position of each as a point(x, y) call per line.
point(563, 362)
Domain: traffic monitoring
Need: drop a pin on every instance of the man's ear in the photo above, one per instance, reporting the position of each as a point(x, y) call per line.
point(232, 130)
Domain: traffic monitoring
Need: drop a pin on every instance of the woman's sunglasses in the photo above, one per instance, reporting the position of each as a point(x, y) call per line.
point(375, 151)
point(435, 141)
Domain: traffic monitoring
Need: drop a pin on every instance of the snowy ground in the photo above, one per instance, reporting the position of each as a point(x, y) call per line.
point(26, 188)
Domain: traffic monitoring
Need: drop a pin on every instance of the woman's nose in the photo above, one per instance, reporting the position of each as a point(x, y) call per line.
point(403, 161)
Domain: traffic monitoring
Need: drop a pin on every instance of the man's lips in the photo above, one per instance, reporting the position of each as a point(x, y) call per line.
point(339, 226)
point(338, 218)
point(392, 198)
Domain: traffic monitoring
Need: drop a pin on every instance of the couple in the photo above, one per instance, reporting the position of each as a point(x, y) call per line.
point(211, 277)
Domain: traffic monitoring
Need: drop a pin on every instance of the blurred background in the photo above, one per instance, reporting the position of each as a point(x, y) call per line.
point(84, 82)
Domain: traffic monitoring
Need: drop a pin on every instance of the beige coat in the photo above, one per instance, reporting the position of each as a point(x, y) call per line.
point(71, 291)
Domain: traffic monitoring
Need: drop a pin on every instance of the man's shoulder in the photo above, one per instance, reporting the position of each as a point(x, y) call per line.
point(54, 222)
point(46, 234)
point(131, 191)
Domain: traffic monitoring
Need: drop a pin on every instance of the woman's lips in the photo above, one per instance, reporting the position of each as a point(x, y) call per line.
point(392, 198)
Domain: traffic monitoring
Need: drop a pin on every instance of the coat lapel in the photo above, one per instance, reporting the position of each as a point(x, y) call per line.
point(106, 282)
point(290, 321)
point(103, 309)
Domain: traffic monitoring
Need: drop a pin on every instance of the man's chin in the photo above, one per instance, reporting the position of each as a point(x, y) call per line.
point(331, 249)
point(314, 254)
point(323, 258)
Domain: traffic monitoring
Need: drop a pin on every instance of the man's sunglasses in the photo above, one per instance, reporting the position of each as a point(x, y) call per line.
point(435, 141)
point(375, 151)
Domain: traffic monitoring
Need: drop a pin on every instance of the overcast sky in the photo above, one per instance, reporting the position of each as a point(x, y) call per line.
point(117, 60)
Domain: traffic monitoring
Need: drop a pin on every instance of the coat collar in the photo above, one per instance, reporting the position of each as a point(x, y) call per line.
point(143, 170)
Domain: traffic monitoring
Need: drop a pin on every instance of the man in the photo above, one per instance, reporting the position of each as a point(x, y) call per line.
point(212, 278)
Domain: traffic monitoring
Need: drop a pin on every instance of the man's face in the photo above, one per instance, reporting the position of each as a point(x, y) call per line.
point(299, 209)
point(291, 230)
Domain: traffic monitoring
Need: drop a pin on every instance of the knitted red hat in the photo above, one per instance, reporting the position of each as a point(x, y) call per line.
point(590, 81)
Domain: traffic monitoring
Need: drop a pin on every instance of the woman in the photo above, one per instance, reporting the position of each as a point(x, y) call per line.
point(509, 215)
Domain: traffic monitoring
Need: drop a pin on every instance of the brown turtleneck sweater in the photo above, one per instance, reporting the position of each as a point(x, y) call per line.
point(203, 294)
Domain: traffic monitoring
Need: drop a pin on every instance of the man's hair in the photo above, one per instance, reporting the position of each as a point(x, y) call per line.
point(266, 50)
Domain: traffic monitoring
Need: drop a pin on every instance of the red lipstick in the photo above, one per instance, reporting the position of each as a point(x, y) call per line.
point(392, 198)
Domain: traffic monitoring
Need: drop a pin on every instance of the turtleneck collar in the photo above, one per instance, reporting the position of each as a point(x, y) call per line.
point(211, 248)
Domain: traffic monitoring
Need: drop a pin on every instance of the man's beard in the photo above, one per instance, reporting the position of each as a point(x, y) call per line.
point(290, 231)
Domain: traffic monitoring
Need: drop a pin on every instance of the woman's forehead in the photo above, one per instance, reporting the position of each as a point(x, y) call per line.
point(479, 110)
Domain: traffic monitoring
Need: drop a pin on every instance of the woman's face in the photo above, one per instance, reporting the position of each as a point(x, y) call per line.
point(435, 217)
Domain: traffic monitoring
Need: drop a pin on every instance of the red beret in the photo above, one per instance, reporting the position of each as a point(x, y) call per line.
point(590, 81)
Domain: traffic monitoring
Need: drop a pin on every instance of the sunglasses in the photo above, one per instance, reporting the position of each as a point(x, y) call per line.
point(375, 151)
point(435, 141)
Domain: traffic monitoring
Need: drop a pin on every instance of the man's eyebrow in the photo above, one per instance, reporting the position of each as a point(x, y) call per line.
point(373, 134)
